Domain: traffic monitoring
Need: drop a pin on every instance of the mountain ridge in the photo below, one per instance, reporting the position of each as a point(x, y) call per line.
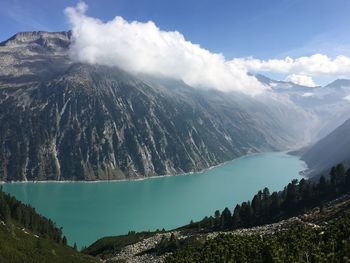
point(93, 122)
point(64, 120)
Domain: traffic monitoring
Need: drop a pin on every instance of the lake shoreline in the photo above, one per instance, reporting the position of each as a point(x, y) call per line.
point(150, 177)
point(88, 210)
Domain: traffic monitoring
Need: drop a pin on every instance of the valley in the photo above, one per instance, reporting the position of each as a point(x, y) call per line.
point(88, 211)
point(174, 131)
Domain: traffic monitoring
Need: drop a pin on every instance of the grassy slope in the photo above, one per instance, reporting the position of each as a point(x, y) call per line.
point(17, 245)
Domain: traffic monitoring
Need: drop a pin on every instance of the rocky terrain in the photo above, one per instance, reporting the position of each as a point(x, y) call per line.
point(62, 120)
point(312, 219)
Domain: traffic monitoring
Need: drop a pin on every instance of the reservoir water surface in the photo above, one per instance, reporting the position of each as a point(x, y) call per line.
point(88, 211)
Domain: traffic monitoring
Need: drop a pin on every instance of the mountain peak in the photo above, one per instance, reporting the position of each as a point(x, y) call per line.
point(39, 37)
point(36, 55)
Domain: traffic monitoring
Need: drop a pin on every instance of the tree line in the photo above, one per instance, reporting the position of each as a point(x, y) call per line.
point(15, 212)
point(266, 208)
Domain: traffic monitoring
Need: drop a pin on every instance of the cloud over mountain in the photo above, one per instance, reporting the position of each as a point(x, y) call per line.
point(303, 80)
point(315, 65)
point(144, 48)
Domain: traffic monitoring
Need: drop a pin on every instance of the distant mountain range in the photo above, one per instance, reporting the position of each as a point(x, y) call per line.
point(330, 105)
point(62, 120)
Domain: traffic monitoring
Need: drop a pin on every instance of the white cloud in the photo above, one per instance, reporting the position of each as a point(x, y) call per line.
point(307, 94)
point(303, 80)
point(347, 98)
point(315, 65)
point(144, 48)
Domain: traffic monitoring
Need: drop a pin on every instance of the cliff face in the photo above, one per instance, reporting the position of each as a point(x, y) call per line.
point(66, 121)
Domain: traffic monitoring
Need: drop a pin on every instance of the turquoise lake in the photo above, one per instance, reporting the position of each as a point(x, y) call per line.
point(88, 211)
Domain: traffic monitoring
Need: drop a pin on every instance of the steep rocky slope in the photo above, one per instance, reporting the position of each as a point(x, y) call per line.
point(67, 121)
point(334, 148)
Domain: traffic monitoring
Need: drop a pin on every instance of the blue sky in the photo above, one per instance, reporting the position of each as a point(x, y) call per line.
point(261, 28)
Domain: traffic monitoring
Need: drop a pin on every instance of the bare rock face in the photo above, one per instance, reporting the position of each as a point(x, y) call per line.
point(62, 120)
point(33, 55)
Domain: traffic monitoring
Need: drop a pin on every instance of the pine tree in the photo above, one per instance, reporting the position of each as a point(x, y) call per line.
point(64, 240)
point(225, 218)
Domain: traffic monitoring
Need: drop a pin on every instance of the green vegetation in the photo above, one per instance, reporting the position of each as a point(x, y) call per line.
point(12, 210)
point(26, 236)
point(17, 245)
point(266, 208)
point(172, 244)
point(297, 244)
